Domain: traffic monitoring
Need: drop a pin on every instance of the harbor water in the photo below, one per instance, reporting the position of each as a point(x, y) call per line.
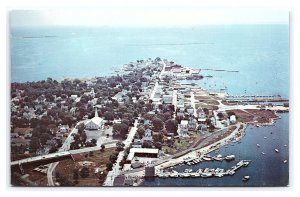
point(267, 167)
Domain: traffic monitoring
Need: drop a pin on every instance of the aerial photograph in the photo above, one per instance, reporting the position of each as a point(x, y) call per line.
point(149, 97)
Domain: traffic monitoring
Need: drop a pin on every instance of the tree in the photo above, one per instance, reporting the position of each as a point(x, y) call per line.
point(112, 158)
point(108, 116)
point(80, 127)
point(34, 144)
point(158, 124)
point(102, 147)
point(220, 115)
point(141, 131)
point(85, 172)
point(171, 126)
point(158, 137)
point(120, 130)
point(94, 142)
point(44, 137)
point(109, 166)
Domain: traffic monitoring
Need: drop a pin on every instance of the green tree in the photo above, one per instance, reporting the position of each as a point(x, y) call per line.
point(158, 124)
point(171, 126)
point(34, 144)
point(85, 172)
point(108, 116)
point(120, 130)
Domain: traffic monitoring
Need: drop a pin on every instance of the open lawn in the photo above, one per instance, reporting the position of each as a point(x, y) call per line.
point(95, 162)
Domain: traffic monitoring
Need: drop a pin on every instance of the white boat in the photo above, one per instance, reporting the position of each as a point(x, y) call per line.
point(285, 145)
point(265, 137)
point(246, 178)
point(263, 153)
point(276, 150)
point(230, 157)
point(285, 161)
point(257, 145)
point(219, 174)
point(207, 174)
point(206, 158)
point(246, 162)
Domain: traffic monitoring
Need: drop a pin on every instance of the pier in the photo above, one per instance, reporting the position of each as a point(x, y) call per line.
point(256, 98)
point(204, 173)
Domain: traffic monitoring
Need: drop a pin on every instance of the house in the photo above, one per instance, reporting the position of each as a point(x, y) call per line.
point(201, 113)
point(119, 180)
point(63, 128)
point(183, 128)
point(137, 143)
point(148, 135)
point(94, 123)
point(168, 99)
point(74, 97)
point(232, 119)
point(192, 125)
point(14, 135)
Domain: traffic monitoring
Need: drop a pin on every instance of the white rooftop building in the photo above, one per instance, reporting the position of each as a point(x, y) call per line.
point(94, 123)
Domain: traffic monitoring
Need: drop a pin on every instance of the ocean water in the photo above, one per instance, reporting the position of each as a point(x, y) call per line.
point(259, 52)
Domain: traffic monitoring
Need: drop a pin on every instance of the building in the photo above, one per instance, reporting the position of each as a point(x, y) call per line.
point(63, 128)
point(149, 173)
point(148, 135)
point(232, 119)
point(168, 99)
point(183, 128)
point(142, 152)
point(192, 125)
point(94, 123)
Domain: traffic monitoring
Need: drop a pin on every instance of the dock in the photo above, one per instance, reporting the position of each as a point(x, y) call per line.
point(256, 98)
point(204, 173)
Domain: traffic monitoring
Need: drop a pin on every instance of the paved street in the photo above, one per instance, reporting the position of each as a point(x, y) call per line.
point(116, 167)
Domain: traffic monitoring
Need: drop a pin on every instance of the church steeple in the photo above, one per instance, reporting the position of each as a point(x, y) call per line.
point(96, 112)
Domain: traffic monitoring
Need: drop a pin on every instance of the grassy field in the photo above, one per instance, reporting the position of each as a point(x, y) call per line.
point(179, 145)
point(95, 161)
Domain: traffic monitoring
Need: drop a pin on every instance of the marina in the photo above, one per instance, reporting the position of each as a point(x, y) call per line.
point(204, 173)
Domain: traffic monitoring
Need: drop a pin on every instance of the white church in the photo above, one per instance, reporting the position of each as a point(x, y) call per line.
point(94, 123)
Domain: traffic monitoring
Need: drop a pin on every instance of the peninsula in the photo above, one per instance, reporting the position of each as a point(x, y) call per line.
point(134, 125)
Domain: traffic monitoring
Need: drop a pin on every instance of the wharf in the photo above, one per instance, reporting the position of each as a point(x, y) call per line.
point(207, 172)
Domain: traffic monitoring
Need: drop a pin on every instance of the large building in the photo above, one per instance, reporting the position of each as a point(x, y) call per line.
point(94, 123)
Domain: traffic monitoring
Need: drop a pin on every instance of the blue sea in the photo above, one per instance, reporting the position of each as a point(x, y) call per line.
point(259, 52)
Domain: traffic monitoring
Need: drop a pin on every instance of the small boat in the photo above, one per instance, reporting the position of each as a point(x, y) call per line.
point(229, 157)
point(246, 178)
point(285, 145)
point(258, 145)
point(265, 137)
point(263, 153)
point(206, 158)
point(276, 150)
point(285, 161)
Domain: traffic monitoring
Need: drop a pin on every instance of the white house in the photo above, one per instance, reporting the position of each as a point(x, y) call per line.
point(168, 99)
point(232, 119)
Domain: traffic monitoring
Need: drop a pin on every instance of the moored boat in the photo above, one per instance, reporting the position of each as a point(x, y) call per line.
point(246, 178)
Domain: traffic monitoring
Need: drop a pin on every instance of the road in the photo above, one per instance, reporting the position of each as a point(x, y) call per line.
point(193, 103)
point(64, 147)
point(116, 167)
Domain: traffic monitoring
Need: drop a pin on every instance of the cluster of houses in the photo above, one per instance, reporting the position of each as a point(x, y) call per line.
point(21, 137)
point(180, 72)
